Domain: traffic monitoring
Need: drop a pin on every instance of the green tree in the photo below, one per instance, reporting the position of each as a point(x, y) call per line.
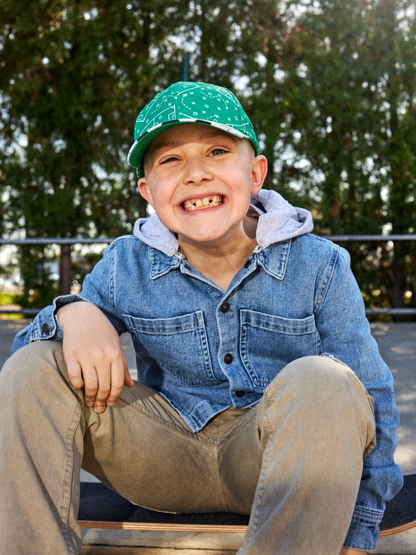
point(350, 91)
point(74, 74)
point(395, 33)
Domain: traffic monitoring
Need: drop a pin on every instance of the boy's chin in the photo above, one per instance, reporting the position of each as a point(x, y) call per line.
point(210, 238)
point(203, 239)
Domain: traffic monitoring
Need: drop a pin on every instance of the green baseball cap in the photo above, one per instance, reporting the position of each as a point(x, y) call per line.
point(188, 102)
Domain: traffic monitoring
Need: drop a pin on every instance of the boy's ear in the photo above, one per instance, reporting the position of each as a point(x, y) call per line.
point(144, 190)
point(258, 173)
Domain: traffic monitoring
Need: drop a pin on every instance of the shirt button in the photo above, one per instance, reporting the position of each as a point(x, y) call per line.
point(45, 328)
point(240, 393)
point(228, 358)
point(225, 307)
point(247, 263)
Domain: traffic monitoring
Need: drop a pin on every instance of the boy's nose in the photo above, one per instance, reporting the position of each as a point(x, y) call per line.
point(197, 171)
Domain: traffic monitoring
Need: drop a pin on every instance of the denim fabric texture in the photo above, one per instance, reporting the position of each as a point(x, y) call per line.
point(205, 350)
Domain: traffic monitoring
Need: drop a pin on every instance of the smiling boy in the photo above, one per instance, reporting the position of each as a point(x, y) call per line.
point(232, 306)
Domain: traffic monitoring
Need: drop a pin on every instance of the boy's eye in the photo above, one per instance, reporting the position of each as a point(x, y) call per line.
point(170, 159)
point(217, 151)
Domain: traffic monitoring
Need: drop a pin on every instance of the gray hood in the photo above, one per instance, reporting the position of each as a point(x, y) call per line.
point(278, 221)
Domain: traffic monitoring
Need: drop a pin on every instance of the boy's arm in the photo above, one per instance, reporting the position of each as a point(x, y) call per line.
point(345, 333)
point(93, 354)
point(89, 326)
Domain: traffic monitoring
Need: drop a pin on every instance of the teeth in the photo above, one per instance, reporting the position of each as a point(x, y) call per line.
point(205, 202)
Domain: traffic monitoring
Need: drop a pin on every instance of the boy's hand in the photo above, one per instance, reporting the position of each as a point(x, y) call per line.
point(93, 354)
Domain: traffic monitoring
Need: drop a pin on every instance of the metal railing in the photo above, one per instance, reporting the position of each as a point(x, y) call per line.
point(108, 240)
point(378, 238)
point(56, 241)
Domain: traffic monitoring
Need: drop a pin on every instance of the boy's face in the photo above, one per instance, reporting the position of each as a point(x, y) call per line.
point(199, 180)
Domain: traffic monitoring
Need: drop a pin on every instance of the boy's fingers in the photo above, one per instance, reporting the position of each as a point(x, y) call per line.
point(103, 388)
point(128, 382)
point(102, 382)
point(75, 374)
point(127, 378)
point(91, 385)
point(117, 382)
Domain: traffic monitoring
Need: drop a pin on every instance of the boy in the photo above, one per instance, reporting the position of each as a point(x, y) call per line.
point(232, 306)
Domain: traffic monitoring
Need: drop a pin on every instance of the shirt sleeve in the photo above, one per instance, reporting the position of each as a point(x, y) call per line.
point(345, 333)
point(97, 289)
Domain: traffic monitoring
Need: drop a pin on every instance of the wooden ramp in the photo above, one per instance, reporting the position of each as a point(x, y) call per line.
point(108, 550)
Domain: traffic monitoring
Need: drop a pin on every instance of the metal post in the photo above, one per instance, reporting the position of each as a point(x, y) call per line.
point(65, 270)
point(185, 68)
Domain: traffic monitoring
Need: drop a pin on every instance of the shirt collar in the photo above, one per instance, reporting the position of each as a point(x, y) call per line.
point(273, 259)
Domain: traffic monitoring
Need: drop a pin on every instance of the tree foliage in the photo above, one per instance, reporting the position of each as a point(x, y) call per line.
point(352, 105)
point(329, 85)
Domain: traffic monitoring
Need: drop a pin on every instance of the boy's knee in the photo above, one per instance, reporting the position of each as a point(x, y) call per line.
point(324, 393)
point(319, 381)
point(34, 366)
point(320, 373)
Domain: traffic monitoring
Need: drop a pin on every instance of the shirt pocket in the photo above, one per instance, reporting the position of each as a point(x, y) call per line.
point(269, 342)
point(179, 346)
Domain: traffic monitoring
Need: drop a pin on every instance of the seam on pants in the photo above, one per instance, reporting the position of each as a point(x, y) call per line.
point(150, 412)
point(225, 438)
point(335, 359)
point(68, 476)
point(171, 424)
point(214, 457)
point(255, 514)
point(162, 421)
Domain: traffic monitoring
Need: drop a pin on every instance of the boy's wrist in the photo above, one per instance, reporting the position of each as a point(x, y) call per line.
point(67, 312)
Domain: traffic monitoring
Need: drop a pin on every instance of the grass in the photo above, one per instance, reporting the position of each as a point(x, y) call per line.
point(7, 299)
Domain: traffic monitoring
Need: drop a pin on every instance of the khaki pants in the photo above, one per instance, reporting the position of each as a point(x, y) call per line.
point(294, 461)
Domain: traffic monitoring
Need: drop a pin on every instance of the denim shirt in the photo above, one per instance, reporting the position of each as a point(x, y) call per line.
point(205, 349)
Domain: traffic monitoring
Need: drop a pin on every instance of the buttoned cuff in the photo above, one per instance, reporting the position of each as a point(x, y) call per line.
point(364, 529)
point(46, 324)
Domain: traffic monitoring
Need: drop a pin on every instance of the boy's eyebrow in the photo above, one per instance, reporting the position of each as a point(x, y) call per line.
point(152, 150)
point(164, 144)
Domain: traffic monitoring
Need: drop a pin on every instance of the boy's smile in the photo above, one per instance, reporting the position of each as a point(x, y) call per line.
point(199, 179)
point(202, 203)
